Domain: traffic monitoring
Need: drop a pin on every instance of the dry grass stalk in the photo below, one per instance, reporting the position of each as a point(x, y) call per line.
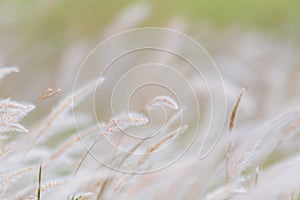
point(49, 92)
point(39, 183)
point(294, 125)
point(234, 110)
point(71, 142)
point(64, 107)
point(132, 150)
point(122, 122)
point(157, 101)
point(115, 125)
point(85, 156)
point(118, 188)
point(161, 142)
point(231, 127)
point(103, 188)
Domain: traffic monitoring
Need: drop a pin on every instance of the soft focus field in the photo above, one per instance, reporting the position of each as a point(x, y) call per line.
point(255, 45)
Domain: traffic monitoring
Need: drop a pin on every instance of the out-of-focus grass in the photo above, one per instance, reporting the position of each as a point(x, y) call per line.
point(80, 18)
point(61, 22)
point(256, 13)
point(38, 33)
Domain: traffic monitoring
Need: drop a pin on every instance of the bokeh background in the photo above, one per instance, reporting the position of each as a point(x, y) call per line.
point(255, 43)
point(51, 38)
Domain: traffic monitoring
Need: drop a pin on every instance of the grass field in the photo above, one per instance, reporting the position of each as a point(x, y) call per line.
point(128, 119)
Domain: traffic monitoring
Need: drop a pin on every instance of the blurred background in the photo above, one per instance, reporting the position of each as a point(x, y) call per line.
point(254, 43)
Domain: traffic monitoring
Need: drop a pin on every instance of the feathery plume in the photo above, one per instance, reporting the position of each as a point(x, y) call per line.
point(124, 121)
point(30, 191)
point(8, 178)
point(116, 124)
point(292, 127)
point(7, 70)
point(5, 150)
point(156, 146)
point(165, 101)
point(64, 107)
point(11, 113)
point(81, 196)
